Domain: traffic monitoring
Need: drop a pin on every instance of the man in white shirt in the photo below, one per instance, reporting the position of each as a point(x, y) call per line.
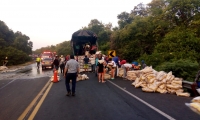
point(92, 61)
point(126, 67)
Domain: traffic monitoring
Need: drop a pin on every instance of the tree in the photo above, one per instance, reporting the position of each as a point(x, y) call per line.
point(6, 34)
point(140, 10)
point(181, 12)
point(95, 26)
point(124, 19)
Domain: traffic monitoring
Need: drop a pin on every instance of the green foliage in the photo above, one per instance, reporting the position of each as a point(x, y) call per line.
point(16, 46)
point(124, 19)
point(180, 43)
point(64, 48)
point(185, 69)
point(14, 55)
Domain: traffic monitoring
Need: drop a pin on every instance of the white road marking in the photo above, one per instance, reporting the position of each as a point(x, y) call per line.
point(142, 101)
point(7, 84)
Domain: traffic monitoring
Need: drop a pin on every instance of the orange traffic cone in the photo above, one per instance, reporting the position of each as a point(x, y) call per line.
point(55, 76)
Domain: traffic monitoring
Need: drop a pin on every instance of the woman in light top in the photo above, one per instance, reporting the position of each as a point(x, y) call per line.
point(113, 67)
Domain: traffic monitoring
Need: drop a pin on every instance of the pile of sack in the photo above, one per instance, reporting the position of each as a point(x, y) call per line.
point(82, 77)
point(194, 105)
point(162, 82)
point(121, 72)
point(107, 76)
point(132, 75)
point(3, 68)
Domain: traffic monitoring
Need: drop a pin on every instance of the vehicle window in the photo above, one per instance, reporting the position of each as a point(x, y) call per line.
point(46, 54)
point(47, 59)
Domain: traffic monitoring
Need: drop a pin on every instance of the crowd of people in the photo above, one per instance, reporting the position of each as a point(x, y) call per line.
point(100, 65)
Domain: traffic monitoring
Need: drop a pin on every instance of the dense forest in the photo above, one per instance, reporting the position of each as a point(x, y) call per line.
point(164, 33)
point(14, 45)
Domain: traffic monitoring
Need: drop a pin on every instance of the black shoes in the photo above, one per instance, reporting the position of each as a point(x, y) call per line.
point(69, 93)
point(73, 94)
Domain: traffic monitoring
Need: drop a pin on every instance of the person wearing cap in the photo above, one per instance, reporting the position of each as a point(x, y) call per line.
point(71, 72)
point(143, 64)
point(62, 64)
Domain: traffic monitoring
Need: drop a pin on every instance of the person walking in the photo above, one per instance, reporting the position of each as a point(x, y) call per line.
point(71, 72)
point(56, 63)
point(85, 62)
point(38, 60)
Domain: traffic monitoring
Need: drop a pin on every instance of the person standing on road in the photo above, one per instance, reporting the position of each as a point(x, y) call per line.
point(116, 60)
point(92, 60)
point(96, 62)
point(86, 61)
point(71, 72)
point(56, 63)
point(62, 64)
point(113, 67)
point(38, 60)
point(100, 69)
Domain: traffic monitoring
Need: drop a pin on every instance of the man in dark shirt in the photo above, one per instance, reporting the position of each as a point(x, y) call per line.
point(56, 63)
point(197, 82)
point(116, 60)
point(86, 61)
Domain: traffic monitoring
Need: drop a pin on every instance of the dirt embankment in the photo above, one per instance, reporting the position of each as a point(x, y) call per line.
point(13, 67)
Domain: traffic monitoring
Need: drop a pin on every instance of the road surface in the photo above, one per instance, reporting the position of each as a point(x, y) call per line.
point(31, 95)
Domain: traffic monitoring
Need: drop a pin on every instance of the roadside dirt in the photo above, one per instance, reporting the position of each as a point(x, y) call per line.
point(15, 67)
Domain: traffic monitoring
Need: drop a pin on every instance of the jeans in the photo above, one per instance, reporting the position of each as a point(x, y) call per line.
point(70, 76)
point(116, 71)
point(96, 71)
point(124, 68)
point(56, 67)
point(62, 67)
point(93, 67)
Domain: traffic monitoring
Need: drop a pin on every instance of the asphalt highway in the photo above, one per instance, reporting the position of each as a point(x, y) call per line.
point(40, 99)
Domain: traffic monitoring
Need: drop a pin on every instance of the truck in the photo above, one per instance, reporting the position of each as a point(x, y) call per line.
point(47, 54)
point(82, 38)
point(79, 42)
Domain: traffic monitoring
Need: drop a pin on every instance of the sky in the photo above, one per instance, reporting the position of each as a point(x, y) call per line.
point(50, 22)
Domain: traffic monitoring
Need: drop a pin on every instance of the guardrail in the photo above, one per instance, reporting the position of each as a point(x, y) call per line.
point(190, 87)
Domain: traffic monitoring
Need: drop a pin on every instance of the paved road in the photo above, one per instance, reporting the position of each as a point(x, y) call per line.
point(100, 101)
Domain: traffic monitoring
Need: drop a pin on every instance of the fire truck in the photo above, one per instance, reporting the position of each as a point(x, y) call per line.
point(47, 55)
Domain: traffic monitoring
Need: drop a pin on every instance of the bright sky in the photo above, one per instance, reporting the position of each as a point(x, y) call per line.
point(50, 22)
